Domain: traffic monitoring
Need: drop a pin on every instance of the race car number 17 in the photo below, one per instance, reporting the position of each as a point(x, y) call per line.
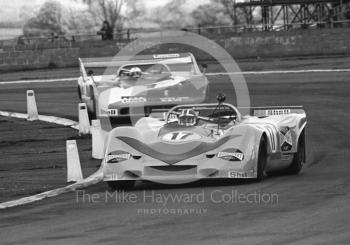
point(180, 136)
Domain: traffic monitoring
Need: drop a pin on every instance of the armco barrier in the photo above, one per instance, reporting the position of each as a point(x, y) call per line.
point(239, 45)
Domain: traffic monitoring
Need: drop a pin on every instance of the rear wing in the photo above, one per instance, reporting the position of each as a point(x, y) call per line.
point(275, 110)
point(254, 111)
point(138, 59)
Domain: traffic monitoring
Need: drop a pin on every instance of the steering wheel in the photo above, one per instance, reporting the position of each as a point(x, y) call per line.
point(173, 111)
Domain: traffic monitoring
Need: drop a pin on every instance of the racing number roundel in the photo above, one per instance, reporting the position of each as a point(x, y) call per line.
point(180, 136)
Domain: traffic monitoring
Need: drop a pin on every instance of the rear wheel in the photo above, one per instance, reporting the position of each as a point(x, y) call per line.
point(262, 158)
point(121, 185)
point(207, 94)
point(299, 156)
point(92, 114)
point(79, 93)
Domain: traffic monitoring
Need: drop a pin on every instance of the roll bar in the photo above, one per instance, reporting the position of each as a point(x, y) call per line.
point(202, 106)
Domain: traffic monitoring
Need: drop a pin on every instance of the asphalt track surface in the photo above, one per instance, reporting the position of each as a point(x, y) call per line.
point(312, 207)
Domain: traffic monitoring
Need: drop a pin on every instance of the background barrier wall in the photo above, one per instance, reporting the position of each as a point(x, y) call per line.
point(291, 43)
point(47, 54)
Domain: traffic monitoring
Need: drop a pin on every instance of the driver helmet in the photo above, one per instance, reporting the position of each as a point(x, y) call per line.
point(135, 72)
point(188, 117)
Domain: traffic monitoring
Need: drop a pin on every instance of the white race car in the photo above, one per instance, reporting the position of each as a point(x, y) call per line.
point(206, 141)
point(121, 87)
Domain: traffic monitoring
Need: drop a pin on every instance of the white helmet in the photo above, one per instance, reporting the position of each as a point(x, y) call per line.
point(135, 72)
point(188, 117)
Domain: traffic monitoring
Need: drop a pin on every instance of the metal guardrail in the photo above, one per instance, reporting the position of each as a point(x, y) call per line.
point(275, 27)
point(58, 41)
point(280, 2)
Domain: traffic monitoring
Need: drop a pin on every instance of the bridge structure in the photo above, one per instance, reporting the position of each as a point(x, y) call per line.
point(285, 14)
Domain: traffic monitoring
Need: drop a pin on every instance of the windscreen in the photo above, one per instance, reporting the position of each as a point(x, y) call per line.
point(98, 71)
point(181, 67)
point(159, 68)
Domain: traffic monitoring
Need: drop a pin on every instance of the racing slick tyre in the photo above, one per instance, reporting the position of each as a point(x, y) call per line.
point(121, 185)
point(92, 114)
point(79, 93)
point(207, 95)
point(262, 158)
point(299, 156)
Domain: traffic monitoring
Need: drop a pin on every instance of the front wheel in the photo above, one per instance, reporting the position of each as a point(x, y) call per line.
point(121, 185)
point(299, 156)
point(207, 94)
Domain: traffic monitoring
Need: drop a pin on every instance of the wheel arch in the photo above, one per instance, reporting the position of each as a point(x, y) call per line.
point(301, 136)
point(262, 159)
point(301, 131)
point(268, 143)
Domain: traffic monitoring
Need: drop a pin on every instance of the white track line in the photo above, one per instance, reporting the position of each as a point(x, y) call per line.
point(50, 119)
point(277, 72)
point(92, 179)
point(208, 74)
point(40, 81)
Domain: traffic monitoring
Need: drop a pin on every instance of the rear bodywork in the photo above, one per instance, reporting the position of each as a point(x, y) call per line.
point(155, 151)
point(113, 94)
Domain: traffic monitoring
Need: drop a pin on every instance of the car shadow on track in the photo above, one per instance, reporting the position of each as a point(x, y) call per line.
point(147, 185)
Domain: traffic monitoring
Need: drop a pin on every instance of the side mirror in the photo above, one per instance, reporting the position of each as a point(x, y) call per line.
point(90, 72)
point(204, 68)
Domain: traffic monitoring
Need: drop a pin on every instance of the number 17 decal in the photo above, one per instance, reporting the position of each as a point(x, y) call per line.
point(180, 136)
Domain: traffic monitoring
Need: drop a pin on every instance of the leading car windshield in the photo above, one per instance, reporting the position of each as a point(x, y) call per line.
point(158, 68)
point(145, 69)
point(181, 67)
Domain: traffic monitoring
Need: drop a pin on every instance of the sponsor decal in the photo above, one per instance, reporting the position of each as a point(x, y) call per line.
point(112, 112)
point(180, 137)
point(111, 177)
point(117, 156)
point(277, 112)
point(132, 99)
point(109, 112)
point(173, 99)
point(162, 56)
point(231, 155)
point(234, 174)
point(286, 139)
